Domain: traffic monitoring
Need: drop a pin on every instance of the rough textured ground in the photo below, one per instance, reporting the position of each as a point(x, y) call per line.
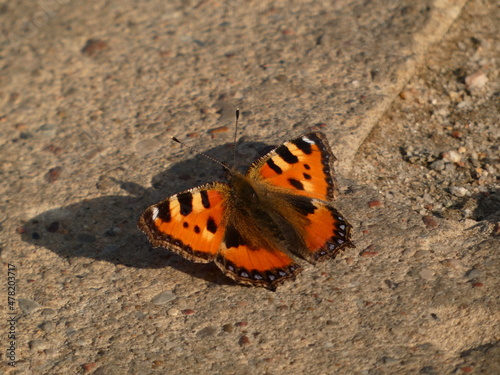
point(407, 92)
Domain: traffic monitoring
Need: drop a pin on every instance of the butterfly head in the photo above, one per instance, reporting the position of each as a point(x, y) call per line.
point(243, 190)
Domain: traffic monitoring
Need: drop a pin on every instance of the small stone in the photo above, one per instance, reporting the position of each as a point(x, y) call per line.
point(173, 312)
point(374, 203)
point(47, 327)
point(430, 222)
point(464, 104)
point(206, 332)
point(281, 78)
point(426, 274)
point(21, 230)
point(229, 328)
point(27, 306)
point(459, 191)
point(442, 112)
point(455, 96)
point(37, 345)
point(451, 156)
point(219, 130)
point(163, 297)
point(449, 168)
point(244, 341)
point(369, 254)
point(438, 165)
point(476, 80)
point(473, 273)
point(53, 174)
point(93, 46)
point(87, 367)
point(409, 94)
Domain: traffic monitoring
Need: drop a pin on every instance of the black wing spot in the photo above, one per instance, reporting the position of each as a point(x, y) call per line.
point(164, 211)
point(306, 176)
point(302, 204)
point(274, 166)
point(233, 237)
point(186, 203)
point(304, 146)
point(296, 184)
point(211, 225)
point(197, 229)
point(286, 155)
point(307, 166)
point(185, 224)
point(204, 199)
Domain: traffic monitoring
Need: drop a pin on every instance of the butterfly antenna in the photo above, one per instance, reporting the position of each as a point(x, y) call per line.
point(235, 134)
point(202, 154)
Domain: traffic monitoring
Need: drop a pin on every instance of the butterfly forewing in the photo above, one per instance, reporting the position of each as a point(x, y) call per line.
point(190, 223)
point(303, 165)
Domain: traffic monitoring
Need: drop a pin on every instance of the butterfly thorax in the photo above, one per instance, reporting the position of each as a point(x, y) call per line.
point(254, 211)
point(244, 192)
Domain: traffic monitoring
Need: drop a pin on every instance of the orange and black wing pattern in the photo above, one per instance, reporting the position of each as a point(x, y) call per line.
point(325, 231)
point(249, 263)
point(190, 223)
point(303, 166)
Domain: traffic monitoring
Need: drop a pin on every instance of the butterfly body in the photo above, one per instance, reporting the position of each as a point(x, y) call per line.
point(251, 226)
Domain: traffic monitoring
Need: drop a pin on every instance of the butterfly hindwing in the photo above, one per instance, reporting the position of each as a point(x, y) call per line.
point(190, 223)
point(324, 232)
point(303, 166)
point(254, 262)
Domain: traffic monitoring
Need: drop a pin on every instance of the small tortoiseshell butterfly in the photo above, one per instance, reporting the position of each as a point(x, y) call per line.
point(250, 226)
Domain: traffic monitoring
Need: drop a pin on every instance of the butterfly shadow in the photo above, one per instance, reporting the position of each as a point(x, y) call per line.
point(105, 228)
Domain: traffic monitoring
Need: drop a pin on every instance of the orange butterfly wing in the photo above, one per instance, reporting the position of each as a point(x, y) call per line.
point(190, 223)
point(301, 172)
point(302, 166)
point(326, 231)
point(256, 260)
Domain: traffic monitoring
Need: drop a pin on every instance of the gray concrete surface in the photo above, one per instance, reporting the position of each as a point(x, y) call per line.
point(91, 92)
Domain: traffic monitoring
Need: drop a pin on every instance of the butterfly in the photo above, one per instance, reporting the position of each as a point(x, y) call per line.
point(252, 226)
